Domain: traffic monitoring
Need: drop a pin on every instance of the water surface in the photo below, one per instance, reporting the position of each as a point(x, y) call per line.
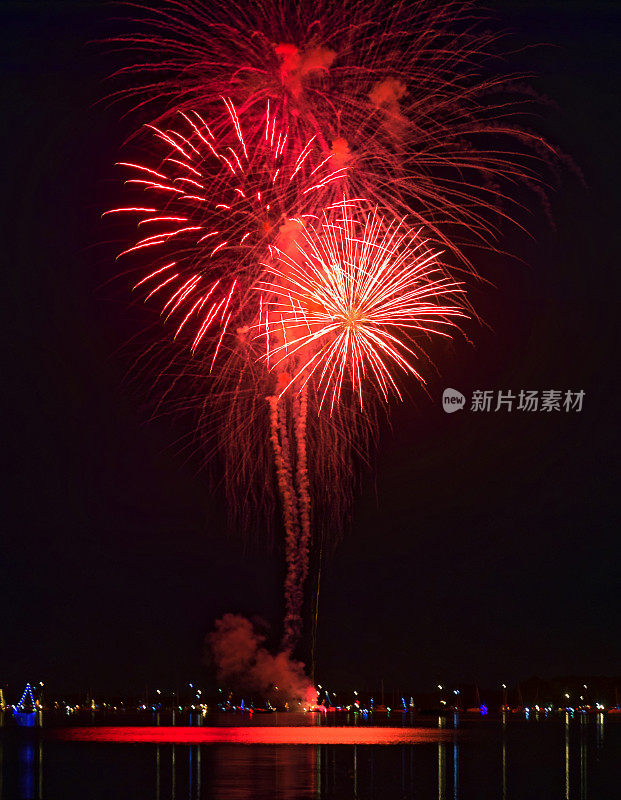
point(229, 757)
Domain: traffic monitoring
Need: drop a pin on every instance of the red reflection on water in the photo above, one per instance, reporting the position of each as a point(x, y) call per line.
point(254, 735)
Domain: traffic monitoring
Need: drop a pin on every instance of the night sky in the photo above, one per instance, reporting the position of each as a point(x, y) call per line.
point(485, 547)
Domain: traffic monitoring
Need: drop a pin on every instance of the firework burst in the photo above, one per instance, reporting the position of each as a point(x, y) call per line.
point(210, 208)
point(350, 297)
point(407, 95)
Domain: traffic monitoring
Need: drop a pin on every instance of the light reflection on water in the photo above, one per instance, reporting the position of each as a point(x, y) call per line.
point(453, 758)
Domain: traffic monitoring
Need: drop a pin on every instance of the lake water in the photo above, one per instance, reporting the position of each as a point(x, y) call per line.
point(229, 757)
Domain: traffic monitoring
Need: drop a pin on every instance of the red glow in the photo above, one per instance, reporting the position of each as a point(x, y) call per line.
point(310, 735)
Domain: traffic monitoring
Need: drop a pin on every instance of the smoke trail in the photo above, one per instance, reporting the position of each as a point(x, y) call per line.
point(293, 620)
point(303, 491)
point(243, 663)
point(293, 484)
point(293, 592)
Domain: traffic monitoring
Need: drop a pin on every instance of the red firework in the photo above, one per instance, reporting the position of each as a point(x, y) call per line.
point(245, 234)
point(214, 204)
point(407, 95)
point(349, 297)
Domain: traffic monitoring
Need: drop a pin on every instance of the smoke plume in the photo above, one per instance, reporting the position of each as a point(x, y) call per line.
point(386, 96)
point(243, 663)
point(297, 64)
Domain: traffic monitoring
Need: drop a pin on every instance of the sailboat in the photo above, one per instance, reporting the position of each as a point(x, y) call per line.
point(615, 709)
point(505, 705)
point(520, 704)
point(478, 708)
point(25, 712)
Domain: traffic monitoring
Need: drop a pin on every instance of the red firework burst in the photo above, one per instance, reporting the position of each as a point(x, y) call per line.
point(351, 299)
point(215, 202)
point(407, 95)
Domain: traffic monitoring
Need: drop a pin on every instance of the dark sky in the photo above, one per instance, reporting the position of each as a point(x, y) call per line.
point(486, 549)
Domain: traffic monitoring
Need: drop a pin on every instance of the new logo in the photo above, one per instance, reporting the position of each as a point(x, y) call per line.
point(452, 400)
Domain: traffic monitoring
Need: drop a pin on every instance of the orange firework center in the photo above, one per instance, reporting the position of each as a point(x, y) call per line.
point(352, 317)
